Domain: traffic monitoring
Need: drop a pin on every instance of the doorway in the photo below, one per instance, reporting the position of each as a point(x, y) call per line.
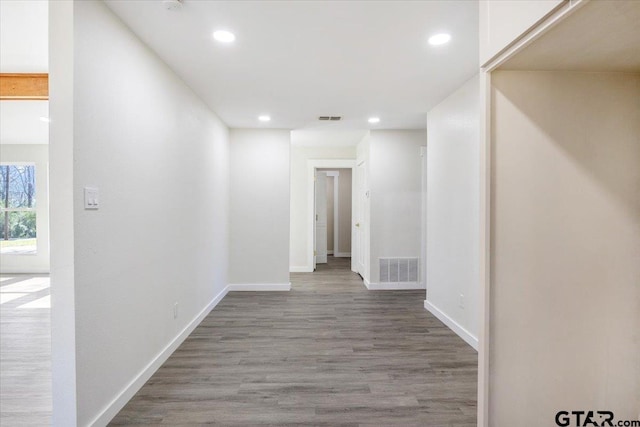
point(333, 214)
point(346, 203)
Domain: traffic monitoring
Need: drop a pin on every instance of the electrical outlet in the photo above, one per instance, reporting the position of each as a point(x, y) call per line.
point(461, 302)
point(175, 310)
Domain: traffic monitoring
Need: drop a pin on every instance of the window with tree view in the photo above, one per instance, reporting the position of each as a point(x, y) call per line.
point(18, 209)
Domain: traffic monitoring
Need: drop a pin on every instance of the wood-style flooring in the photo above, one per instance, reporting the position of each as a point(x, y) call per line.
point(25, 351)
point(327, 353)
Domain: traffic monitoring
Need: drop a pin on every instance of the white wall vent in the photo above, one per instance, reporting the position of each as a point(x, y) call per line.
point(398, 270)
point(331, 118)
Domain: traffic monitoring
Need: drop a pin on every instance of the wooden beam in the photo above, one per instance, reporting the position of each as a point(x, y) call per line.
point(26, 86)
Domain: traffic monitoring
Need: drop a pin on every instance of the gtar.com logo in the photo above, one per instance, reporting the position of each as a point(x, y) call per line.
point(591, 418)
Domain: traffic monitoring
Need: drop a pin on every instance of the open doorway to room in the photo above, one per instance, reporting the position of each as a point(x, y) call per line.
point(333, 217)
point(319, 173)
point(563, 117)
point(332, 152)
point(25, 313)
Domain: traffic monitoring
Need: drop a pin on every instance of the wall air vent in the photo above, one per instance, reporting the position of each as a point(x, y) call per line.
point(330, 118)
point(398, 270)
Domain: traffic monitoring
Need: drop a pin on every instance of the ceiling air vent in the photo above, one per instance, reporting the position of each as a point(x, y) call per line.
point(331, 118)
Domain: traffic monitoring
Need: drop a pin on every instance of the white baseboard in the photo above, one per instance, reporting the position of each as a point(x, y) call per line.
point(136, 384)
point(330, 252)
point(452, 324)
point(342, 255)
point(303, 269)
point(259, 287)
point(25, 271)
point(393, 286)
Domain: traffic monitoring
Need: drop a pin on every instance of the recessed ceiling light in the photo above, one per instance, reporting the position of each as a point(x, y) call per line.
point(374, 120)
point(264, 118)
point(438, 39)
point(45, 119)
point(224, 36)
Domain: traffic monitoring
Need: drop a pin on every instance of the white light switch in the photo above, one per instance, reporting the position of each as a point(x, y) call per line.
point(91, 198)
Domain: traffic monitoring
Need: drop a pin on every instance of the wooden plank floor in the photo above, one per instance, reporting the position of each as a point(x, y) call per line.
point(25, 351)
point(328, 353)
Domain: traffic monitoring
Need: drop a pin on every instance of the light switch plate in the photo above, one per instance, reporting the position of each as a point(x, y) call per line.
point(91, 198)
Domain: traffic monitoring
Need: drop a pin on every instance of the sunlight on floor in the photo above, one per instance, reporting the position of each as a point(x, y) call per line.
point(6, 297)
point(25, 350)
point(44, 302)
point(34, 284)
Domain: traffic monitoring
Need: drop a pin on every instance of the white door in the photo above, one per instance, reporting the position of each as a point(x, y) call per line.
point(321, 218)
point(360, 232)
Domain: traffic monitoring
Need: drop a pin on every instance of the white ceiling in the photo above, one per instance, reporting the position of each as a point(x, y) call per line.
point(609, 41)
point(24, 36)
point(297, 60)
point(21, 122)
point(327, 137)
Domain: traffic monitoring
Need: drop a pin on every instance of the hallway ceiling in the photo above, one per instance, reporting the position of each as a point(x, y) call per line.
point(299, 60)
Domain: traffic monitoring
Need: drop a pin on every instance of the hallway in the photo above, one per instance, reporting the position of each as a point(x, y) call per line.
point(328, 352)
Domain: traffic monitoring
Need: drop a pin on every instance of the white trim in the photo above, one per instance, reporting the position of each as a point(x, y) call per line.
point(312, 165)
point(329, 251)
point(342, 255)
point(132, 388)
point(485, 250)
point(550, 20)
point(423, 216)
point(336, 213)
point(393, 286)
point(300, 269)
point(452, 324)
point(259, 287)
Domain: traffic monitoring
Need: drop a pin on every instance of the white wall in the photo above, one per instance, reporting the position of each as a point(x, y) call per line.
point(38, 155)
point(565, 233)
point(259, 248)
point(300, 214)
point(159, 157)
point(452, 263)
point(24, 37)
point(395, 195)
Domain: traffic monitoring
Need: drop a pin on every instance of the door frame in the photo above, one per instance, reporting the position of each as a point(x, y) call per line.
point(361, 210)
point(312, 165)
point(423, 218)
point(319, 195)
point(336, 209)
